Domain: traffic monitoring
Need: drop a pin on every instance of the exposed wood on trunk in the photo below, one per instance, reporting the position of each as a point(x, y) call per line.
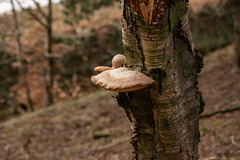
point(165, 117)
point(20, 56)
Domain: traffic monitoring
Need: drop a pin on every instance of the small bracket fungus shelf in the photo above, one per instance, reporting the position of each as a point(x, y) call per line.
point(119, 78)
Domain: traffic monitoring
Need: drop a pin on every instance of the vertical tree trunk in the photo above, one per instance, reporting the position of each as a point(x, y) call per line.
point(165, 117)
point(47, 53)
point(234, 8)
point(20, 56)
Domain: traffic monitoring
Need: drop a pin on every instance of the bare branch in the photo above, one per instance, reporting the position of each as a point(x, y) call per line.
point(220, 112)
point(34, 16)
point(39, 9)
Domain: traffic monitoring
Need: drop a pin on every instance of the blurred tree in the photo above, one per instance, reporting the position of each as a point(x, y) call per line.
point(77, 10)
point(234, 8)
point(45, 20)
point(8, 74)
point(165, 118)
point(21, 66)
point(221, 33)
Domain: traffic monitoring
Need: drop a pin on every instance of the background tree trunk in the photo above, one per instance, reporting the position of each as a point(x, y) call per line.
point(234, 8)
point(45, 20)
point(47, 54)
point(165, 118)
point(20, 57)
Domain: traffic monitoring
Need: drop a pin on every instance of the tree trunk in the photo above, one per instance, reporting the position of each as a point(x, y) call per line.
point(165, 117)
point(234, 8)
point(20, 56)
point(47, 54)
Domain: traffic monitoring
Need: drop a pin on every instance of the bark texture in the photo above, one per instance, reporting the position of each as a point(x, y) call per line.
point(164, 117)
point(234, 8)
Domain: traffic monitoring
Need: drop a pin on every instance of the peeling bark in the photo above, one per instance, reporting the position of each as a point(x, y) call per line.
point(164, 117)
point(152, 11)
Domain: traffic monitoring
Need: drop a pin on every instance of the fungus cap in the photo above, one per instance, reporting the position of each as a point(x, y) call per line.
point(100, 69)
point(122, 80)
point(118, 61)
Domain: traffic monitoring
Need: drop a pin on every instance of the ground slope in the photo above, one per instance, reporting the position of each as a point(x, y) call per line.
point(95, 128)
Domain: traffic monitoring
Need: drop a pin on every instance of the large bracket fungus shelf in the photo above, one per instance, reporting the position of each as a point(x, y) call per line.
point(119, 78)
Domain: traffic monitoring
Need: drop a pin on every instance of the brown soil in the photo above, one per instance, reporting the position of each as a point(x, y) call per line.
point(221, 90)
point(95, 128)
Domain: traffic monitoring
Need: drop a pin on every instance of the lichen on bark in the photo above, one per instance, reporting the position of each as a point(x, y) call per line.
point(165, 116)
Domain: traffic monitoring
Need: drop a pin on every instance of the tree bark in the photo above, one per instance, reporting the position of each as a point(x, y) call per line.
point(234, 8)
point(165, 117)
point(20, 56)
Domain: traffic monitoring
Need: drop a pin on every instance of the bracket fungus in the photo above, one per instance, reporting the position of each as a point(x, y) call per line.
point(119, 78)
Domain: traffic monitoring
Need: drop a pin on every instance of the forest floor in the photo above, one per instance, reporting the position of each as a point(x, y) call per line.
point(95, 128)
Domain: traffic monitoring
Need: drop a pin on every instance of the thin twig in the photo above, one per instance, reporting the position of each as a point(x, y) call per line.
point(219, 112)
point(39, 9)
point(34, 16)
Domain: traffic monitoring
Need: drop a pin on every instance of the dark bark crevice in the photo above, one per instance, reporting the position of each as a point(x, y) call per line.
point(141, 51)
point(138, 109)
